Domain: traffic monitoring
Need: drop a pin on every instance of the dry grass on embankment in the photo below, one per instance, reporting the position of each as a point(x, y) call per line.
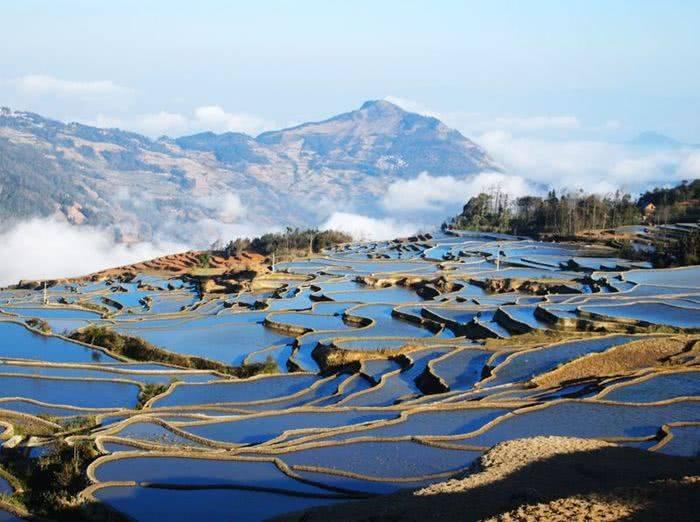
point(546, 478)
point(624, 359)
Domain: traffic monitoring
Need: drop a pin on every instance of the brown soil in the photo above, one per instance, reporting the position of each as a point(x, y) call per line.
point(546, 478)
point(172, 265)
point(185, 262)
point(620, 504)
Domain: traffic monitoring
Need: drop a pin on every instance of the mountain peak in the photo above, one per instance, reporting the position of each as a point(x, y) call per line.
point(381, 105)
point(281, 175)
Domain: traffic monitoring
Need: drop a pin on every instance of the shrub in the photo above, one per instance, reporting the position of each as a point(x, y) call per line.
point(149, 391)
point(204, 260)
point(39, 324)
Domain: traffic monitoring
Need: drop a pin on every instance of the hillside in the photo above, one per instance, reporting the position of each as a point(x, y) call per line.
point(165, 187)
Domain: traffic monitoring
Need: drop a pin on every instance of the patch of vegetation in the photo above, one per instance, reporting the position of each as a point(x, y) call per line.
point(331, 358)
point(566, 215)
point(562, 215)
point(12, 501)
point(269, 365)
point(676, 204)
point(681, 251)
point(95, 307)
point(78, 424)
point(204, 260)
point(26, 426)
point(149, 391)
point(137, 349)
point(569, 213)
point(289, 241)
point(51, 483)
point(39, 324)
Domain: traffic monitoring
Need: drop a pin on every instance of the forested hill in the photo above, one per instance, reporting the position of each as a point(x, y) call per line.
point(568, 214)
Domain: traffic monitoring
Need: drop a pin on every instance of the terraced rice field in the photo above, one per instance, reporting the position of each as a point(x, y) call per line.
point(391, 373)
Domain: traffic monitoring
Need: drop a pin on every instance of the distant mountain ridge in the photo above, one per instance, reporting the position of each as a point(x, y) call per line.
point(655, 139)
point(142, 187)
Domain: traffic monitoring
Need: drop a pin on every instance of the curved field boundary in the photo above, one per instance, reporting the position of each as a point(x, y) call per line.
point(144, 445)
point(438, 382)
point(67, 339)
point(181, 427)
point(9, 414)
point(118, 368)
point(320, 438)
point(207, 443)
point(680, 268)
point(79, 411)
point(281, 466)
point(54, 306)
point(304, 391)
point(638, 322)
point(280, 452)
point(648, 377)
point(7, 431)
point(515, 355)
point(531, 408)
point(667, 433)
point(340, 391)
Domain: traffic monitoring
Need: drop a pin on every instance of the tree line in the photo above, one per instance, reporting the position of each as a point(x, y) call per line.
point(281, 243)
point(569, 213)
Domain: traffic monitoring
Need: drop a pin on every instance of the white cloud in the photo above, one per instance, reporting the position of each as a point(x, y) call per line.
point(161, 123)
point(612, 125)
point(151, 124)
point(105, 122)
point(473, 122)
point(413, 106)
point(227, 207)
point(211, 230)
point(366, 228)
point(48, 248)
point(441, 193)
point(208, 118)
point(215, 118)
point(689, 167)
point(534, 123)
point(591, 165)
point(40, 84)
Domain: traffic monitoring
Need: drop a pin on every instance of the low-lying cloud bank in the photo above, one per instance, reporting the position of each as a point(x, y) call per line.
point(365, 228)
point(594, 166)
point(443, 193)
point(563, 152)
point(46, 248)
point(420, 204)
point(49, 248)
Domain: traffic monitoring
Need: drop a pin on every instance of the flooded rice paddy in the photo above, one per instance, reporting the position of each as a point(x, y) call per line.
point(397, 365)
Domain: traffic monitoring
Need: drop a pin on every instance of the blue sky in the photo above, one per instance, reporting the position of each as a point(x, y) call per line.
point(553, 90)
point(615, 68)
